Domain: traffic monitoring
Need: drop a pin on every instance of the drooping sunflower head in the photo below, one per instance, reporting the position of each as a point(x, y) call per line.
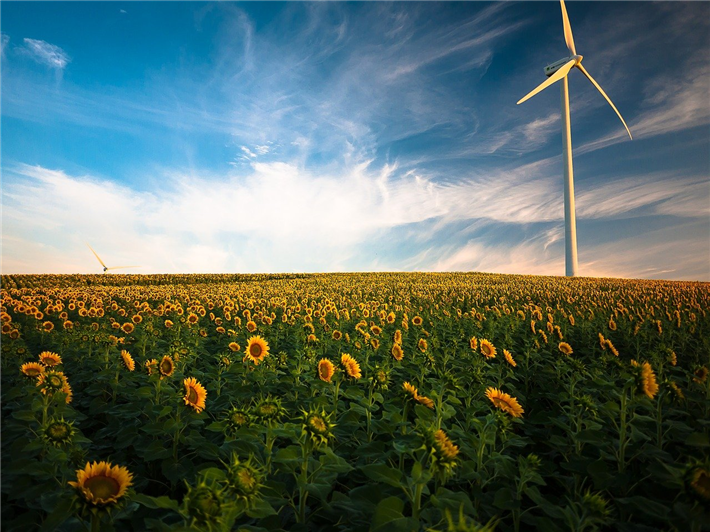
point(424, 400)
point(509, 358)
point(326, 369)
point(698, 482)
point(649, 386)
point(351, 366)
point(32, 369)
point(504, 402)
point(50, 359)
point(488, 350)
point(398, 337)
point(422, 345)
point(257, 349)
point(166, 366)
point(195, 394)
point(102, 484)
point(128, 360)
point(317, 426)
point(565, 348)
point(58, 432)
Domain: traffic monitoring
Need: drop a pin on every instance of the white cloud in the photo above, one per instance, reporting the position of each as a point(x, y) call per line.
point(4, 40)
point(49, 54)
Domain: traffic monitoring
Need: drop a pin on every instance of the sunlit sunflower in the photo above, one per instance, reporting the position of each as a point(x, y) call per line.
point(648, 380)
point(352, 368)
point(673, 358)
point(128, 327)
point(32, 369)
point(565, 348)
point(509, 358)
point(195, 394)
point(421, 399)
point(504, 402)
point(397, 352)
point(473, 343)
point(137, 319)
point(51, 382)
point(326, 369)
point(166, 366)
point(612, 324)
point(192, 319)
point(398, 337)
point(102, 484)
point(168, 324)
point(422, 345)
point(445, 448)
point(602, 341)
point(128, 360)
point(234, 346)
point(611, 348)
point(337, 335)
point(50, 359)
point(417, 321)
point(257, 348)
point(48, 326)
point(251, 326)
point(488, 350)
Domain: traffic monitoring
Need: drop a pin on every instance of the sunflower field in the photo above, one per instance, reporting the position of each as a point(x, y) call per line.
point(354, 402)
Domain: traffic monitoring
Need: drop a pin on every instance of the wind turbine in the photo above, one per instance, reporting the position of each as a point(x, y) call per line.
point(555, 72)
point(106, 268)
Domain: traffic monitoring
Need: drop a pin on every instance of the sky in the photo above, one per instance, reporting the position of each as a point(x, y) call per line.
point(201, 137)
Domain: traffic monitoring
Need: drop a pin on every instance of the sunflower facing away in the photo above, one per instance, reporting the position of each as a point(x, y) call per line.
point(195, 394)
point(257, 349)
point(102, 484)
point(504, 402)
point(352, 368)
point(325, 370)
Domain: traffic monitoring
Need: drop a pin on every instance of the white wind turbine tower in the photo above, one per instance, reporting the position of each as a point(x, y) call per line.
point(106, 268)
point(558, 71)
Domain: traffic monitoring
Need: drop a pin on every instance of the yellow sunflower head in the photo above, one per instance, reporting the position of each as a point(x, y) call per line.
point(50, 359)
point(488, 350)
point(128, 360)
point(128, 327)
point(102, 484)
point(509, 358)
point(398, 337)
point(234, 346)
point(151, 366)
point(565, 348)
point(649, 386)
point(423, 400)
point(351, 366)
point(318, 427)
point(397, 352)
point(422, 345)
point(195, 394)
point(417, 321)
point(473, 343)
point(166, 366)
point(251, 326)
point(32, 369)
point(337, 335)
point(410, 391)
point(504, 402)
point(326, 369)
point(257, 349)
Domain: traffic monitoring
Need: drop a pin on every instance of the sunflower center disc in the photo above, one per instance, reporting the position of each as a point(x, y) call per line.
point(102, 487)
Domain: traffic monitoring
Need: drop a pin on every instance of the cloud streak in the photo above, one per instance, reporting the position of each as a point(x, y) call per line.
point(47, 54)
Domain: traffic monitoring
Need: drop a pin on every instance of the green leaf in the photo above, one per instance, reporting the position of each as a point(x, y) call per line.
point(383, 473)
point(698, 440)
point(387, 510)
point(154, 503)
point(505, 499)
point(260, 509)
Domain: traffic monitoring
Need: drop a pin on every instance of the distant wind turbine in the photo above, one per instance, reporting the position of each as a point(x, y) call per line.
point(106, 268)
point(558, 71)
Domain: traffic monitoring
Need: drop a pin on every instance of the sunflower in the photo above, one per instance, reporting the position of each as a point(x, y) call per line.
point(509, 358)
point(612, 324)
point(192, 318)
point(102, 484)
point(204, 504)
point(445, 448)
point(352, 368)
point(397, 352)
point(410, 390)
point(50, 359)
point(504, 402)
point(151, 366)
point(51, 382)
point(257, 349)
point(700, 375)
point(473, 343)
point(325, 370)
point(318, 427)
point(565, 348)
point(699, 481)
point(128, 360)
point(58, 432)
point(421, 399)
point(602, 341)
point(251, 326)
point(269, 410)
point(648, 380)
point(422, 345)
point(128, 327)
point(238, 418)
point(137, 319)
point(166, 366)
point(673, 358)
point(32, 369)
point(244, 479)
point(168, 324)
point(48, 326)
point(398, 337)
point(417, 321)
point(611, 348)
point(488, 350)
point(337, 335)
point(234, 346)
point(195, 394)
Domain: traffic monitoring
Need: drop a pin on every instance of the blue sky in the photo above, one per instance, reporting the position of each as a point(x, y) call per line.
point(267, 136)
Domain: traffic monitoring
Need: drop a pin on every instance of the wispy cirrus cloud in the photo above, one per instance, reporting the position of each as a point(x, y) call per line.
point(45, 53)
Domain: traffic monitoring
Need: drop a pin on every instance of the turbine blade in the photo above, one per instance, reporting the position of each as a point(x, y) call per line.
point(95, 255)
point(568, 30)
point(590, 78)
point(121, 267)
point(561, 73)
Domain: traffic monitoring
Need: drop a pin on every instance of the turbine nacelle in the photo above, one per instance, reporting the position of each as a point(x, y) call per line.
point(554, 67)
